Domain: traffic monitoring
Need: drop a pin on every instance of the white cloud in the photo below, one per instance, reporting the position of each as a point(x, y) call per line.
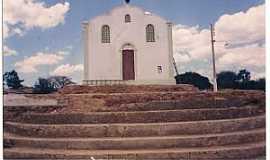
point(244, 31)
point(64, 53)
point(5, 30)
point(250, 55)
point(258, 75)
point(70, 47)
point(67, 70)
point(182, 57)
point(242, 27)
point(22, 15)
point(191, 42)
point(8, 51)
point(30, 64)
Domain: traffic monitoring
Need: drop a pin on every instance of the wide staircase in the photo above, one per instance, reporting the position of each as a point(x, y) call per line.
point(209, 126)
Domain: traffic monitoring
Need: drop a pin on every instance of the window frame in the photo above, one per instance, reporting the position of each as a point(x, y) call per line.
point(159, 69)
point(127, 18)
point(105, 34)
point(150, 33)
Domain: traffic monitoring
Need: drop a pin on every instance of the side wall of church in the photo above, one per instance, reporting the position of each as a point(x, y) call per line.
point(105, 59)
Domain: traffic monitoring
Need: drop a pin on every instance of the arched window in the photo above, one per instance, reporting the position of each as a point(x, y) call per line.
point(105, 31)
point(127, 18)
point(150, 33)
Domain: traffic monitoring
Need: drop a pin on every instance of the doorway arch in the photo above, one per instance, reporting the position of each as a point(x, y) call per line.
point(128, 67)
point(128, 53)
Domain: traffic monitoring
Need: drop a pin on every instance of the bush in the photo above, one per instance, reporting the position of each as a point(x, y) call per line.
point(194, 79)
point(43, 86)
point(12, 80)
point(59, 82)
point(240, 80)
point(227, 79)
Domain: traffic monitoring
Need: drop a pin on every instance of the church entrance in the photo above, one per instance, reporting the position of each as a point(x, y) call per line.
point(128, 65)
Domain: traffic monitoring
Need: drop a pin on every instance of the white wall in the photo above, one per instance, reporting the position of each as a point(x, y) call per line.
point(105, 59)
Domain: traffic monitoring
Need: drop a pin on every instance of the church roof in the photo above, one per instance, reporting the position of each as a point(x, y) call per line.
point(124, 6)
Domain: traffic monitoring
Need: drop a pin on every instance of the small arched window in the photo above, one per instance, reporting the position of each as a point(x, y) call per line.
point(127, 18)
point(105, 31)
point(150, 33)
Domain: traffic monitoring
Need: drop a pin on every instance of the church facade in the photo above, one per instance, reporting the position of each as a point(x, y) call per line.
point(128, 46)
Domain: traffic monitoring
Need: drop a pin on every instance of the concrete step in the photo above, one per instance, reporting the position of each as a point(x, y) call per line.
point(145, 106)
point(135, 129)
point(83, 89)
point(242, 151)
point(140, 116)
point(133, 101)
point(194, 103)
point(32, 108)
point(180, 141)
point(13, 111)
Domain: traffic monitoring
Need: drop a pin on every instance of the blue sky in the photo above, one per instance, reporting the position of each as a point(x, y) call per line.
point(25, 39)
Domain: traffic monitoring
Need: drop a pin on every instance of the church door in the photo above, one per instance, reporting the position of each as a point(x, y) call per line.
point(128, 65)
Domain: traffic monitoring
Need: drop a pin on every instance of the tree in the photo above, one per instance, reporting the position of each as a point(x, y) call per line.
point(243, 75)
point(253, 85)
point(241, 80)
point(51, 84)
point(195, 79)
point(227, 79)
point(260, 84)
point(43, 86)
point(12, 80)
point(59, 81)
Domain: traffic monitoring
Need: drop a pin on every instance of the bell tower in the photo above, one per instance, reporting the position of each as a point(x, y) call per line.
point(127, 1)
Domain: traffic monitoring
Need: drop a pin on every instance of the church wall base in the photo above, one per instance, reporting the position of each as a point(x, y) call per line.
point(130, 82)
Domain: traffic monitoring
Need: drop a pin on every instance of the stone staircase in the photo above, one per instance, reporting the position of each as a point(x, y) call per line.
point(146, 130)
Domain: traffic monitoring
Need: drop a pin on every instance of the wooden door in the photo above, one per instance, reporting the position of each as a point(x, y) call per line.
point(128, 65)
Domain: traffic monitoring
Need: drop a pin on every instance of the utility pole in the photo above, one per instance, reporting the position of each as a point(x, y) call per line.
point(215, 88)
point(175, 67)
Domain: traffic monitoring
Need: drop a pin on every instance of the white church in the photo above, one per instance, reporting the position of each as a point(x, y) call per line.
point(128, 45)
